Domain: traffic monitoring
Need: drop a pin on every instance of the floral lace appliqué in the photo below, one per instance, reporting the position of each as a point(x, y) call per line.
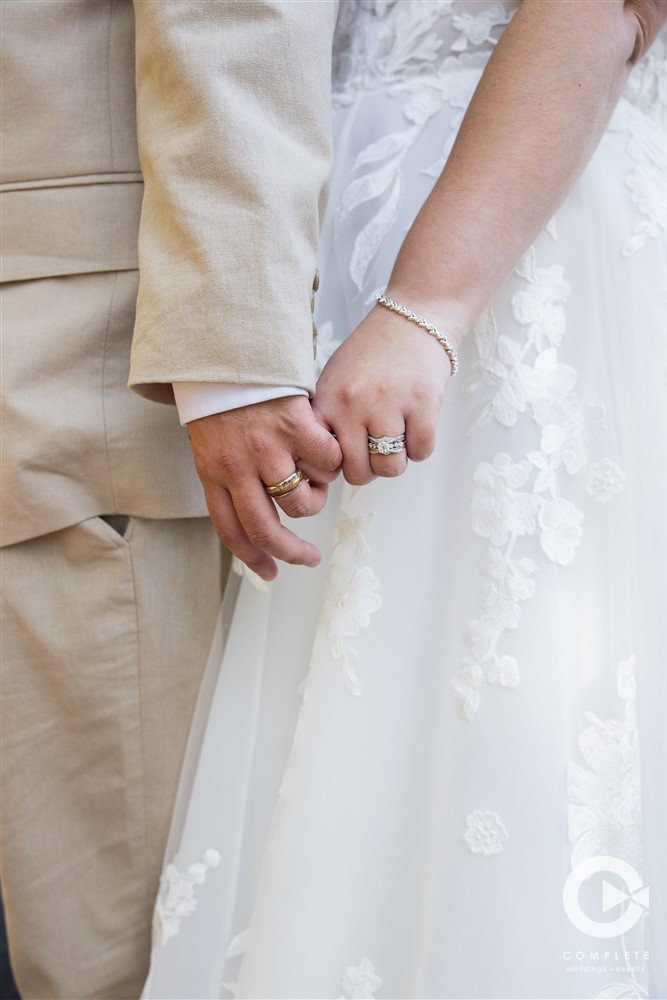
point(376, 46)
point(352, 594)
point(513, 501)
point(640, 116)
point(360, 982)
point(382, 183)
point(605, 480)
point(485, 833)
point(477, 29)
point(176, 898)
point(604, 804)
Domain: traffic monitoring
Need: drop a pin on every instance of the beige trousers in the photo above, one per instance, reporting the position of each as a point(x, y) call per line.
point(105, 637)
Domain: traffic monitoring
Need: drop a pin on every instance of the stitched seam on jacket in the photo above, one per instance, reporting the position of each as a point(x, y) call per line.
point(107, 336)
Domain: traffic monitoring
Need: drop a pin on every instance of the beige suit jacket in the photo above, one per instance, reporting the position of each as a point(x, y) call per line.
point(223, 168)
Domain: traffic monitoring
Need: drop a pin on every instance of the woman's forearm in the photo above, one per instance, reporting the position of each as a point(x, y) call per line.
point(538, 113)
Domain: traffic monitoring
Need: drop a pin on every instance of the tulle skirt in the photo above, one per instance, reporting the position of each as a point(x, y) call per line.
point(434, 766)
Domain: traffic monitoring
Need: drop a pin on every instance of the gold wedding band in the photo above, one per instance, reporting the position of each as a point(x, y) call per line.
point(287, 485)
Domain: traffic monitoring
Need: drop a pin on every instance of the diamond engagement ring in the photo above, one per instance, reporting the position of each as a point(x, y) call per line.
point(287, 485)
point(386, 445)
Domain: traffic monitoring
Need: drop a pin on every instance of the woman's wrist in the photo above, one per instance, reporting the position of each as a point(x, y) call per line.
point(450, 316)
point(445, 342)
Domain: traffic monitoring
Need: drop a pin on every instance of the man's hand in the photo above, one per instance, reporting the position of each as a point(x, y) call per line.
point(387, 378)
point(239, 452)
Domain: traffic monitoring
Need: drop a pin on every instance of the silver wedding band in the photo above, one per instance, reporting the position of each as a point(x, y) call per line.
point(386, 445)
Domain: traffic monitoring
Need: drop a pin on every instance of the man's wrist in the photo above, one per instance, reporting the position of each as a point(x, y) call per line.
point(195, 400)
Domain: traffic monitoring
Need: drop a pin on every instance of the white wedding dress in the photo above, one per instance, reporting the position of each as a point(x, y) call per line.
point(398, 759)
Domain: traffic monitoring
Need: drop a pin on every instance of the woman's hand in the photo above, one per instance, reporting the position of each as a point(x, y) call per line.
point(387, 378)
point(539, 111)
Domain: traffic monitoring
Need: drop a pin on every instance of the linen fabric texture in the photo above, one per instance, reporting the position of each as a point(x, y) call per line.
point(234, 139)
point(235, 147)
point(97, 696)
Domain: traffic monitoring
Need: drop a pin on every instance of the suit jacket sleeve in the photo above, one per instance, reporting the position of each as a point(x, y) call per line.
point(233, 105)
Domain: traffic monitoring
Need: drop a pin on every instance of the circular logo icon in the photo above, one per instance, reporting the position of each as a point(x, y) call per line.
point(633, 893)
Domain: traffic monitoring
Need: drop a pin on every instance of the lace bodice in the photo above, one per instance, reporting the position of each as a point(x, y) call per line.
point(379, 43)
point(390, 44)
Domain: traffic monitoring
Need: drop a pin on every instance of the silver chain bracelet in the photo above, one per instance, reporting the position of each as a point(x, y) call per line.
point(425, 325)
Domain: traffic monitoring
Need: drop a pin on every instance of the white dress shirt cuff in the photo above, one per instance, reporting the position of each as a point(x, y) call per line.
point(201, 399)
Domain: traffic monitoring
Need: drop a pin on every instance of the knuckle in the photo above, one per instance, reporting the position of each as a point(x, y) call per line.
point(391, 470)
point(420, 454)
point(231, 537)
point(293, 424)
point(297, 508)
point(330, 465)
point(358, 478)
point(384, 392)
point(260, 536)
point(230, 532)
point(427, 394)
point(302, 508)
point(311, 439)
point(264, 449)
point(322, 447)
point(298, 557)
point(422, 444)
point(256, 440)
point(348, 394)
point(228, 464)
point(292, 559)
